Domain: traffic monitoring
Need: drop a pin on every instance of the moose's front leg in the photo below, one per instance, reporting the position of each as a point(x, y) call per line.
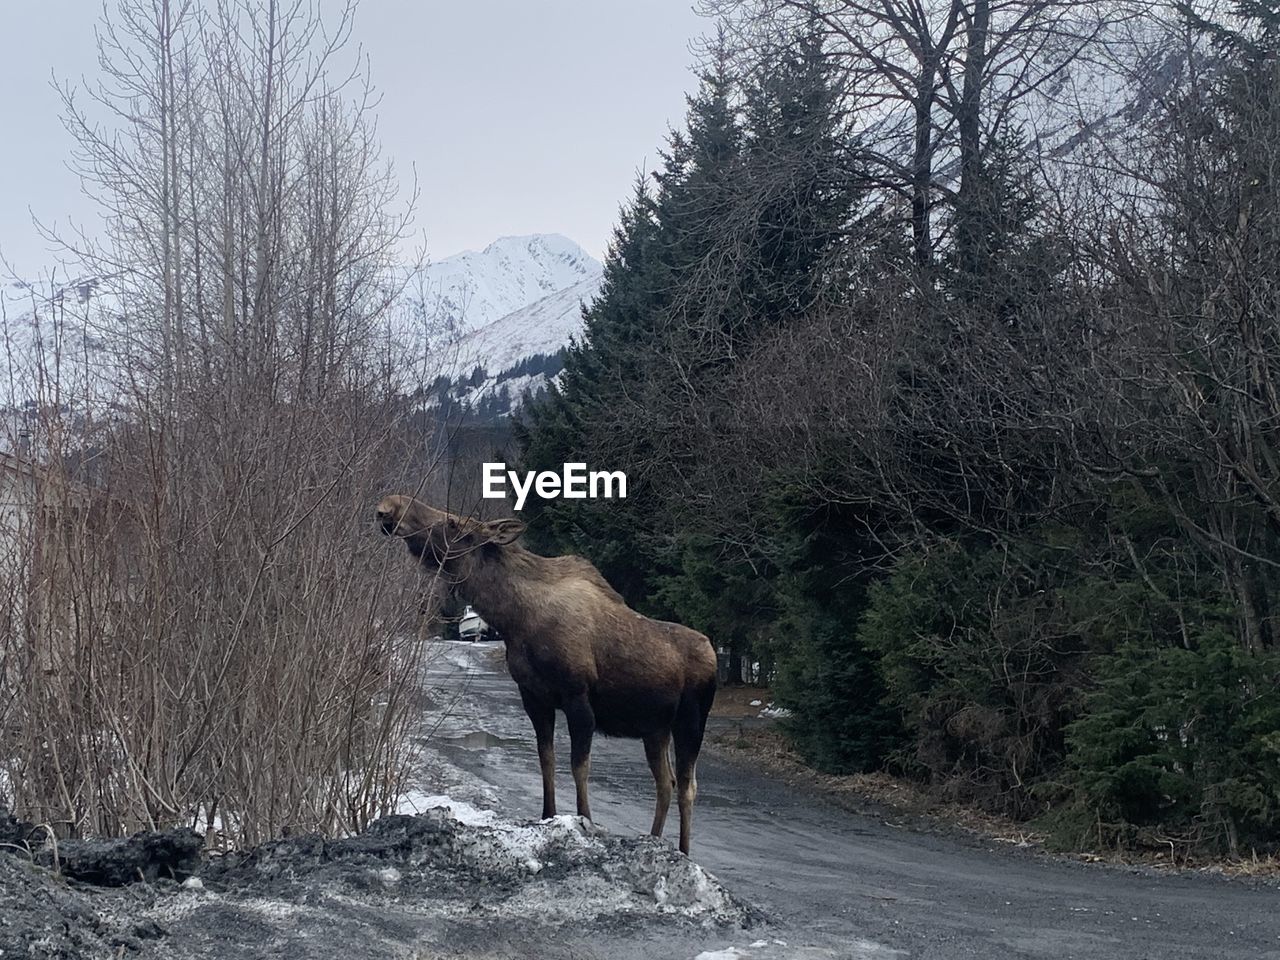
point(582, 726)
point(544, 728)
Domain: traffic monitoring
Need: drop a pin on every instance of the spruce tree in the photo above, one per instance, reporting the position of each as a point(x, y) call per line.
point(772, 259)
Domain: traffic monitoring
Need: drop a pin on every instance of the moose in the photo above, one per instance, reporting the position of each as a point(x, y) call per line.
point(573, 645)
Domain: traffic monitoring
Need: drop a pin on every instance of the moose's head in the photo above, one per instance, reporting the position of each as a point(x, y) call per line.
point(442, 540)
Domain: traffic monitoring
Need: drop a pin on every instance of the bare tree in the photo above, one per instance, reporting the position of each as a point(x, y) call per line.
point(933, 82)
point(212, 633)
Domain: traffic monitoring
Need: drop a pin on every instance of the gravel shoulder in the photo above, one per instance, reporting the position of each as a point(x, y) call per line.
point(754, 742)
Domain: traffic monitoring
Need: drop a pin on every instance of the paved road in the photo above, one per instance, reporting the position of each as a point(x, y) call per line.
point(838, 884)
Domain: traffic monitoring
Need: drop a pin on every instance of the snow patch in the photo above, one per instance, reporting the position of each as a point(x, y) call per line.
point(415, 803)
point(543, 326)
point(856, 949)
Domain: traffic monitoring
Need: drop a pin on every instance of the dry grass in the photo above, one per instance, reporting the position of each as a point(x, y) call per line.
point(739, 701)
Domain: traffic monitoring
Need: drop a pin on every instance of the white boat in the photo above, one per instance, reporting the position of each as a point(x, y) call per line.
point(471, 626)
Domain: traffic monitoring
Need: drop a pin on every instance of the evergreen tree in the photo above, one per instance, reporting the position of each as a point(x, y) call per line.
point(804, 185)
point(773, 258)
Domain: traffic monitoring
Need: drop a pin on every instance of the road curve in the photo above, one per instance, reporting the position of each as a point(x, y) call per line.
point(835, 883)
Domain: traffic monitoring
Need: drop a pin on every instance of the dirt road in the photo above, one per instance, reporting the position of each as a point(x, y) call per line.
point(836, 884)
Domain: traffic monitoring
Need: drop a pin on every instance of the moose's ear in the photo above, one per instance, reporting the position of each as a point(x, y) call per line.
point(503, 531)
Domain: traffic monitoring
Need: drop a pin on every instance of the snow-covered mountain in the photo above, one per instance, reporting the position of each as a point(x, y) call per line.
point(508, 309)
point(541, 327)
point(471, 303)
point(471, 290)
point(488, 320)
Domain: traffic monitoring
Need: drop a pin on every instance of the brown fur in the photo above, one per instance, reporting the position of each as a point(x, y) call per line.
point(573, 645)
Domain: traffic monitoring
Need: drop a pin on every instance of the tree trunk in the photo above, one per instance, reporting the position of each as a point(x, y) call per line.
point(922, 164)
point(968, 119)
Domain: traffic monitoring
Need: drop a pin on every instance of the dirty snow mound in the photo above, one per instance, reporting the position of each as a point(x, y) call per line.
point(456, 879)
point(42, 915)
point(558, 870)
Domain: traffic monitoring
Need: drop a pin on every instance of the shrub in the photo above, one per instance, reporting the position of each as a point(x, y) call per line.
point(976, 655)
point(1178, 744)
point(827, 676)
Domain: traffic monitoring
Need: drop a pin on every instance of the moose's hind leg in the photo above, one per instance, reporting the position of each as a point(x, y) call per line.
point(691, 721)
point(582, 726)
point(687, 791)
point(656, 748)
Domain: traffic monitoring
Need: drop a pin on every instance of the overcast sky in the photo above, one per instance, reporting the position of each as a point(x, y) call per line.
point(519, 117)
